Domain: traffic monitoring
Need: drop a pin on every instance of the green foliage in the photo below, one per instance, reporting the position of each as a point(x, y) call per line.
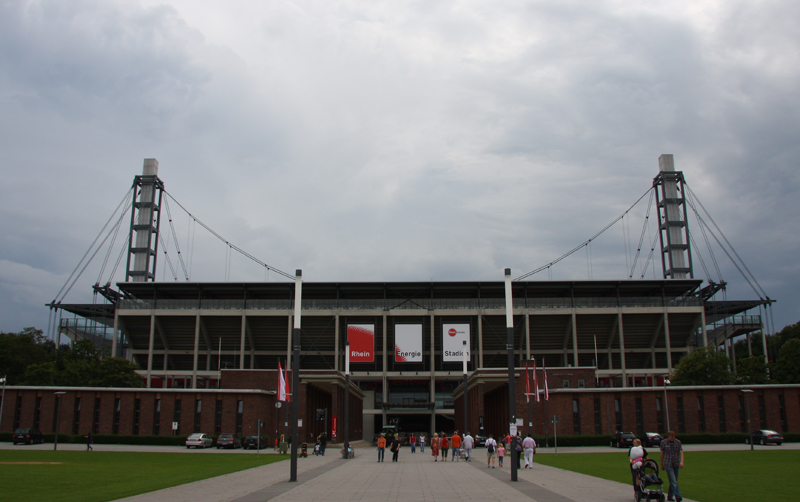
point(752, 371)
point(787, 367)
point(704, 366)
point(28, 358)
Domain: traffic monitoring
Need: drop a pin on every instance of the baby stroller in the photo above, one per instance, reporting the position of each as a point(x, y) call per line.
point(649, 484)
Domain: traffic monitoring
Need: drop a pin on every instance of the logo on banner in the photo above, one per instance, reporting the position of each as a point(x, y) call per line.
point(408, 343)
point(362, 342)
point(453, 343)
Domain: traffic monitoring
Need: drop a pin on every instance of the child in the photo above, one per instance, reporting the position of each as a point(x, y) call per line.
point(636, 454)
point(501, 452)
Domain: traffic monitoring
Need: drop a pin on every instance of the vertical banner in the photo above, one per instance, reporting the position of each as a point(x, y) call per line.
point(362, 342)
point(333, 428)
point(408, 343)
point(452, 337)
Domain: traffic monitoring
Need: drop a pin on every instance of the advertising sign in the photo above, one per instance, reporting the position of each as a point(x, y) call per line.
point(333, 428)
point(453, 336)
point(362, 342)
point(408, 343)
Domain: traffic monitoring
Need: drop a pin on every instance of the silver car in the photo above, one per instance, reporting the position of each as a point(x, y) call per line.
point(199, 440)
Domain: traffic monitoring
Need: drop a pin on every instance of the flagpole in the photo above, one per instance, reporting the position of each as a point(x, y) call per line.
point(298, 295)
point(512, 398)
point(347, 399)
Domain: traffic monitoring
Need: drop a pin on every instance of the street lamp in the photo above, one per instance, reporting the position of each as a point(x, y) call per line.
point(2, 400)
point(747, 393)
point(346, 450)
point(666, 404)
point(512, 398)
point(58, 416)
point(464, 358)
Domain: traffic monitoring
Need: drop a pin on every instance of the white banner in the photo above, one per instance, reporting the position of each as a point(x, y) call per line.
point(453, 336)
point(408, 343)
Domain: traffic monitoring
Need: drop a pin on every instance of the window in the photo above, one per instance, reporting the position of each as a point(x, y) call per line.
point(76, 416)
point(701, 414)
point(218, 417)
point(156, 417)
point(117, 406)
point(660, 413)
point(37, 413)
point(598, 417)
point(576, 417)
point(176, 416)
point(782, 406)
point(581, 383)
point(639, 417)
point(239, 414)
point(96, 420)
point(762, 411)
point(618, 413)
point(137, 404)
point(681, 421)
point(198, 408)
point(565, 384)
point(723, 423)
point(742, 416)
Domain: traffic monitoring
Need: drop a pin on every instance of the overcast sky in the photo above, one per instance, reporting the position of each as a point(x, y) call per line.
point(392, 141)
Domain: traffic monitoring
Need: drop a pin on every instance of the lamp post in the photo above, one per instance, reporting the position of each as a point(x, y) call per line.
point(58, 417)
point(298, 295)
point(466, 409)
point(666, 404)
point(346, 450)
point(3, 400)
point(512, 398)
point(747, 393)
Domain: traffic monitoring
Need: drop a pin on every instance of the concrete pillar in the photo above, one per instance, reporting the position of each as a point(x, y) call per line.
point(668, 344)
point(574, 339)
point(336, 351)
point(196, 350)
point(150, 348)
point(622, 350)
point(242, 338)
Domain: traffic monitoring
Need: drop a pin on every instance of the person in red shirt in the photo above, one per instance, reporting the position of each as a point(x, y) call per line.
point(413, 442)
point(381, 447)
point(455, 442)
point(445, 446)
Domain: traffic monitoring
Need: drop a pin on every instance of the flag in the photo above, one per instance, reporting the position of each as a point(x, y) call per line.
point(527, 384)
point(546, 391)
point(281, 384)
point(535, 381)
point(288, 390)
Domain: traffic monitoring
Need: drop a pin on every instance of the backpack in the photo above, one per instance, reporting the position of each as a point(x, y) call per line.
point(490, 448)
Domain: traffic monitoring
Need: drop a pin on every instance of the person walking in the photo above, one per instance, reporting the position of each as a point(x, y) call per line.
point(445, 446)
point(422, 443)
point(672, 462)
point(381, 447)
point(323, 443)
point(395, 447)
point(413, 442)
point(468, 443)
point(455, 443)
point(491, 451)
point(435, 445)
point(529, 447)
point(501, 453)
point(89, 442)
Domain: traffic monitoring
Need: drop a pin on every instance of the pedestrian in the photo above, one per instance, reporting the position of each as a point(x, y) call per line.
point(422, 443)
point(468, 443)
point(672, 462)
point(381, 447)
point(445, 446)
point(529, 447)
point(436, 443)
point(89, 442)
point(501, 452)
point(395, 447)
point(491, 453)
point(413, 442)
point(323, 442)
point(455, 443)
point(637, 455)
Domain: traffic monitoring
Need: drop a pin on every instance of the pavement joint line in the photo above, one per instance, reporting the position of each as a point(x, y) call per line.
point(524, 486)
point(281, 487)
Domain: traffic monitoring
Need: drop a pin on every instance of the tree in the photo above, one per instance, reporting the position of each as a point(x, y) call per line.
point(117, 372)
point(787, 367)
point(41, 374)
point(751, 371)
point(20, 350)
point(703, 366)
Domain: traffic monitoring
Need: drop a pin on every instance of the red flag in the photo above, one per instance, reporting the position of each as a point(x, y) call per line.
point(288, 390)
point(281, 384)
point(535, 381)
point(546, 391)
point(527, 384)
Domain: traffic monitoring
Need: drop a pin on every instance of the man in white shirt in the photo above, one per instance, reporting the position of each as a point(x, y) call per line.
point(468, 443)
point(491, 451)
point(529, 447)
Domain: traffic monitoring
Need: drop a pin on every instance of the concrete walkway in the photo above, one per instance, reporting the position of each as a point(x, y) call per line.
point(414, 477)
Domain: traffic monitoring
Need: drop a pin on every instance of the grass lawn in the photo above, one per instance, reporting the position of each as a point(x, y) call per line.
point(99, 476)
point(708, 476)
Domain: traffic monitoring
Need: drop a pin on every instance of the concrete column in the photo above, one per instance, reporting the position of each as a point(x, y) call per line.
point(574, 339)
point(480, 339)
point(336, 352)
point(384, 356)
point(433, 377)
point(668, 344)
point(622, 350)
point(703, 327)
point(116, 335)
point(242, 341)
point(196, 349)
point(150, 348)
point(528, 336)
point(764, 343)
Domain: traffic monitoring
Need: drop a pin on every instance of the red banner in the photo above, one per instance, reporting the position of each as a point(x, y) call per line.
point(333, 428)
point(362, 342)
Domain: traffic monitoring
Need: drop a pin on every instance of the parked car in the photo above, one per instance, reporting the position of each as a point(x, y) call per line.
point(254, 443)
point(199, 440)
point(480, 440)
point(622, 439)
point(765, 436)
point(651, 439)
point(229, 441)
point(27, 435)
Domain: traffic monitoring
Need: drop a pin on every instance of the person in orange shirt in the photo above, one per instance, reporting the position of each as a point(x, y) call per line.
point(445, 446)
point(455, 442)
point(381, 447)
point(435, 445)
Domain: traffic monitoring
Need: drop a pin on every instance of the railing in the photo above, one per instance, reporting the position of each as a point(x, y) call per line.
point(415, 304)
